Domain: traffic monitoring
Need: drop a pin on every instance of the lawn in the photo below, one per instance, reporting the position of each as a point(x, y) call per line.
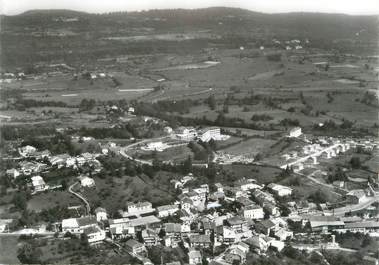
point(51, 199)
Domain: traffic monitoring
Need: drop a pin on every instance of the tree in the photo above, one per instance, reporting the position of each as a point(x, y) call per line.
point(187, 165)
point(355, 162)
point(29, 254)
point(211, 102)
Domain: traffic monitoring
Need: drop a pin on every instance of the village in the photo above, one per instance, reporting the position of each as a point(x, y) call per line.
point(218, 223)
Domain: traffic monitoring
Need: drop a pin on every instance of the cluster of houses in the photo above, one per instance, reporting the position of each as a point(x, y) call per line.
point(34, 162)
point(193, 222)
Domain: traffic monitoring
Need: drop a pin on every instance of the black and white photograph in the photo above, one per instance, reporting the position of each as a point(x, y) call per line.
point(202, 132)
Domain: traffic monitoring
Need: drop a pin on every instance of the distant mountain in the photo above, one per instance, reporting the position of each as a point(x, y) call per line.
point(313, 25)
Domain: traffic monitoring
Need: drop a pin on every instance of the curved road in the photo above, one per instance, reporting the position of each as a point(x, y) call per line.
point(81, 197)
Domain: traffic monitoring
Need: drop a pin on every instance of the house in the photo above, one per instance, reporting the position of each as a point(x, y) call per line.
point(27, 167)
point(280, 190)
point(219, 187)
point(59, 160)
point(101, 214)
point(263, 197)
point(283, 234)
point(121, 228)
point(77, 225)
point(86, 181)
point(203, 241)
point(167, 210)
point(150, 237)
point(253, 212)
point(356, 196)
point(247, 184)
point(186, 133)
point(39, 184)
point(194, 257)
point(167, 130)
point(173, 234)
point(94, 234)
point(140, 208)
point(258, 243)
point(4, 224)
point(135, 247)
point(14, 173)
point(237, 223)
point(27, 151)
point(295, 132)
point(272, 242)
point(265, 227)
point(210, 133)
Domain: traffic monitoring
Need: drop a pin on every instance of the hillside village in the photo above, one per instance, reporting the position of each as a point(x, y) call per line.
point(169, 137)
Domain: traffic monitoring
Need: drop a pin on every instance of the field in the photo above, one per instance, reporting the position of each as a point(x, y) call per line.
point(52, 199)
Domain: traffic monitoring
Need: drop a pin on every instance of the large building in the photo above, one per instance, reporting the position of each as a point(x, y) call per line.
point(207, 134)
point(295, 132)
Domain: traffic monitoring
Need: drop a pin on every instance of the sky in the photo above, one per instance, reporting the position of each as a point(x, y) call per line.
point(353, 7)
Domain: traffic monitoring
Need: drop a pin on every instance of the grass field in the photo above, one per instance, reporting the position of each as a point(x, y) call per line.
point(51, 199)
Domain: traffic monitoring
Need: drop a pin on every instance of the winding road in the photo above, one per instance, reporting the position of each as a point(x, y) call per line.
point(81, 197)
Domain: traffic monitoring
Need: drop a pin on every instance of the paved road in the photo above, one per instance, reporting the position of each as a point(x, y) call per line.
point(81, 197)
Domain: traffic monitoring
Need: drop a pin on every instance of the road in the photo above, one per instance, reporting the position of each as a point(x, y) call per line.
point(88, 207)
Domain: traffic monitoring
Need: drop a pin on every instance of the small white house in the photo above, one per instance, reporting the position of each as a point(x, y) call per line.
point(101, 214)
point(38, 184)
point(253, 212)
point(14, 173)
point(280, 190)
point(295, 132)
point(167, 210)
point(87, 182)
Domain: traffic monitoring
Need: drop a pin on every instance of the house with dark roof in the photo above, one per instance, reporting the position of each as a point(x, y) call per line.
point(203, 241)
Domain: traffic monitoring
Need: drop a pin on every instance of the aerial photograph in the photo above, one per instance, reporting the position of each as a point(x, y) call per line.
point(166, 132)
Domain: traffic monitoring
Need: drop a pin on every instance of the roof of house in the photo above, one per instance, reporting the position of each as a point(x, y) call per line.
point(194, 254)
point(173, 228)
point(266, 224)
point(200, 239)
point(167, 207)
point(88, 220)
point(91, 230)
point(100, 210)
point(151, 219)
point(133, 243)
point(236, 220)
point(278, 187)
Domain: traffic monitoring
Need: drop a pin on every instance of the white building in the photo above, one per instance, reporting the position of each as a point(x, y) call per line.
point(167, 210)
point(14, 173)
point(139, 208)
point(210, 133)
point(77, 225)
point(253, 212)
point(38, 184)
point(194, 257)
point(27, 150)
point(101, 214)
point(295, 132)
point(186, 133)
point(280, 190)
point(247, 184)
point(94, 234)
point(87, 182)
